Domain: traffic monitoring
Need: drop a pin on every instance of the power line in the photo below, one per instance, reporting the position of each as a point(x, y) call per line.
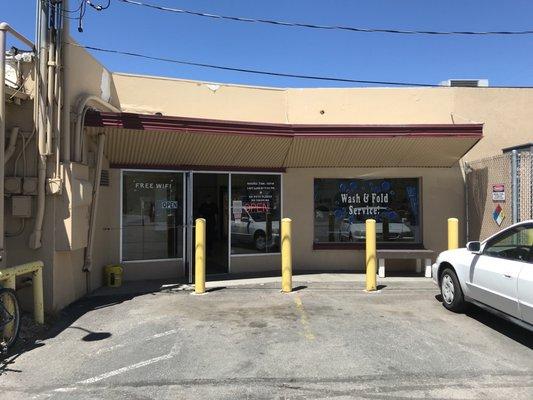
point(326, 27)
point(80, 5)
point(253, 71)
point(283, 74)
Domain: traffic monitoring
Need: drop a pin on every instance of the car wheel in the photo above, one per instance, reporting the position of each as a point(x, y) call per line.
point(260, 241)
point(452, 295)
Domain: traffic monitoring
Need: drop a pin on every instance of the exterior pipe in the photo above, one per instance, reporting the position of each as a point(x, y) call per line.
point(59, 98)
point(514, 185)
point(50, 94)
point(12, 143)
point(41, 125)
point(87, 265)
point(4, 29)
point(466, 169)
point(35, 237)
point(82, 109)
point(65, 75)
point(41, 79)
point(2, 136)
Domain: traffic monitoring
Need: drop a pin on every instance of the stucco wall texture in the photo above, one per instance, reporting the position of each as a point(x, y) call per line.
point(505, 114)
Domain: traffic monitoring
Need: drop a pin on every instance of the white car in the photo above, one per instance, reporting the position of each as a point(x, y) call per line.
point(251, 229)
point(496, 274)
point(356, 231)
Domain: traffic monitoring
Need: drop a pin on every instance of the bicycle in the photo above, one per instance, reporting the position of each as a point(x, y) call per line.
point(9, 318)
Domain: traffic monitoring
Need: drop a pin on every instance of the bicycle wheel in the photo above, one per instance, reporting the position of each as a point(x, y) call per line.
point(9, 317)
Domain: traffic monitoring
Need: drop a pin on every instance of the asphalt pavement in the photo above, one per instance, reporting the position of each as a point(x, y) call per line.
point(245, 339)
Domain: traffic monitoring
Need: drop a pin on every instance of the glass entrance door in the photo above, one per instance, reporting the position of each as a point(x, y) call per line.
point(208, 197)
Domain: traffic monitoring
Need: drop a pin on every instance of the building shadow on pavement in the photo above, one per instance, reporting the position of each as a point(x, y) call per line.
point(32, 336)
point(504, 327)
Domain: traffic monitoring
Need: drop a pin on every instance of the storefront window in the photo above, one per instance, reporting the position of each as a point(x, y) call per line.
point(255, 213)
point(152, 215)
point(343, 205)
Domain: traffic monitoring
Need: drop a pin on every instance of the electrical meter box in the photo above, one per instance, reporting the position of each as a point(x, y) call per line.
point(29, 186)
point(21, 206)
point(13, 184)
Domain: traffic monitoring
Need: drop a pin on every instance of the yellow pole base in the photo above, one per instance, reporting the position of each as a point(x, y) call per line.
point(286, 255)
point(370, 255)
point(199, 259)
point(453, 233)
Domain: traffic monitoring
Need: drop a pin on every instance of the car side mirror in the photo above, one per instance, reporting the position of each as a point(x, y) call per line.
point(474, 247)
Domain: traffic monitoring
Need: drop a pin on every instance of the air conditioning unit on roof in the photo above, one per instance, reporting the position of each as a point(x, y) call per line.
point(466, 83)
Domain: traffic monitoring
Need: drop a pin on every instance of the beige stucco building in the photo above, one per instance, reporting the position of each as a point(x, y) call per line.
point(242, 157)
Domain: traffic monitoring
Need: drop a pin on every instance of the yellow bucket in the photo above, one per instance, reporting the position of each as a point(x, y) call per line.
point(113, 275)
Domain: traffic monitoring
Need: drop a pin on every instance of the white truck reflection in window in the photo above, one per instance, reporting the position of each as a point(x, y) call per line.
point(251, 229)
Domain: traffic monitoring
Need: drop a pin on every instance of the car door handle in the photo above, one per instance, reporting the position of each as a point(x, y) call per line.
point(507, 275)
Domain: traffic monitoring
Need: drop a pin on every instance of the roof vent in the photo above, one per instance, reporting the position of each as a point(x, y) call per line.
point(466, 83)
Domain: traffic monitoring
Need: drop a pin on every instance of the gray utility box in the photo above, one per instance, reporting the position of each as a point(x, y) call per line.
point(21, 206)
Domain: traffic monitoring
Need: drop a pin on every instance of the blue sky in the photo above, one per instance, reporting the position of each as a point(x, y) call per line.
point(504, 60)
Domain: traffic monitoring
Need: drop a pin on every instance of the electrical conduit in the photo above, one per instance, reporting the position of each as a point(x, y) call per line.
point(83, 106)
point(42, 110)
point(12, 144)
point(87, 265)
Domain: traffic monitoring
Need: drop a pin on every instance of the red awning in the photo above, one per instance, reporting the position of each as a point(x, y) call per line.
point(172, 142)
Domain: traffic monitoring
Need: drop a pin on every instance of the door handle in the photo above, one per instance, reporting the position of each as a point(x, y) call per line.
point(507, 275)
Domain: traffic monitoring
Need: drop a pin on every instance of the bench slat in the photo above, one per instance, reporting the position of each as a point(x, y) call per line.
point(405, 254)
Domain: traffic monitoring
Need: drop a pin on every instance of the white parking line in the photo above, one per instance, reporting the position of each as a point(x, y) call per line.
point(126, 369)
point(120, 345)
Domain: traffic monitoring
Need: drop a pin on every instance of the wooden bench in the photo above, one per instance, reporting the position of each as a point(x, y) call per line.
point(417, 254)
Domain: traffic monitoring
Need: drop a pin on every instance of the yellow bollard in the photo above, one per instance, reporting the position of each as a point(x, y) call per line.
point(370, 255)
point(286, 256)
point(38, 306)
point(199, 260)
point(10, 283)
point(453, 233)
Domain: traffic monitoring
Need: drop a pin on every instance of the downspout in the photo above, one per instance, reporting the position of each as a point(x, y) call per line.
point(514, 186)
point(87, 265)
point(51, 91)
point(58, 89)
point(80, 118)
point(66, 74)
point(467, 170)
point(2, 134)
point(41, 124)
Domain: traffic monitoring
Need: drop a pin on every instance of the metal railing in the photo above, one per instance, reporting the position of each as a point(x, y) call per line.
point(8, 277)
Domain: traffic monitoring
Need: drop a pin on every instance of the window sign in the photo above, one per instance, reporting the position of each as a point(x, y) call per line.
point(237, 210)
point(168, 204)
point(152, 215)
point(255, 214)
point(498, 215)
point(343, 205)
